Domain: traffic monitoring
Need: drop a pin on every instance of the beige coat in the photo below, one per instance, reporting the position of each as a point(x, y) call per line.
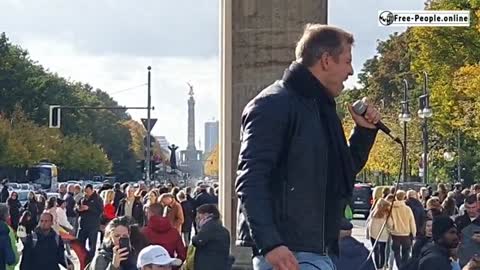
point(403, 220)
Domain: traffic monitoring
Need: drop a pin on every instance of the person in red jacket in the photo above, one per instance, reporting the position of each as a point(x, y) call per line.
point(159, 231)
point(108, 210)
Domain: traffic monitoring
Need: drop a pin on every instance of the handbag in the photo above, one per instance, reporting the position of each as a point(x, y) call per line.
point(21, 231)
point(189, 262)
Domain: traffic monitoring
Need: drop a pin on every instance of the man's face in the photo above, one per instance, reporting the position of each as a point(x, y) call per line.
point(63, 189)
point(88, 191)
point(472, 210)
point(338, 70)
point(428, 228)
point(450, 238)
point(46, 222)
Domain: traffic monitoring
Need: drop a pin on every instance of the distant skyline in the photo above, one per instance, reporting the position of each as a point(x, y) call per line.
point(109, 44)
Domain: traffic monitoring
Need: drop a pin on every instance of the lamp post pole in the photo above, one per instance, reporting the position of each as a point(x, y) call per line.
point(405, 117)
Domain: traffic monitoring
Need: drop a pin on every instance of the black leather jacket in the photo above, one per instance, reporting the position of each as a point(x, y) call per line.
point(282, 173)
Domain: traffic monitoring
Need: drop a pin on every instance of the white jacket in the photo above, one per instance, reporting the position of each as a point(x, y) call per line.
point(62, 219)
point(374, 226)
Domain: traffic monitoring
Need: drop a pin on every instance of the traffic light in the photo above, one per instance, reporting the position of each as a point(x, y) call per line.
point(54, 116)
point(154, 167)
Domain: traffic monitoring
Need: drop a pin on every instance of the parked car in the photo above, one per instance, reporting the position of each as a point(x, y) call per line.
point(52, 194)
point(24, 186)
point(362, 199)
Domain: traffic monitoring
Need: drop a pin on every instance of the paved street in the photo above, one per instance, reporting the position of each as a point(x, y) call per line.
point(359, 232)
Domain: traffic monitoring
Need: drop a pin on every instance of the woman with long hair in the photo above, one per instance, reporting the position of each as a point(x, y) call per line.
point(434, 207)
point(424, 196)
point(109, 210)
point(110, 255)
point(442, 192)
point(151, 198)
point(41, 205)
point(26, 225)
point(425, 238)
point(14, 206)
point(379, 230)
point(52, 209)
point(32, 206)
point(449, 205)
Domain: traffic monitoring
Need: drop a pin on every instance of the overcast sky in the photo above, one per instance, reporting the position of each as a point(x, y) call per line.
point(109, 44)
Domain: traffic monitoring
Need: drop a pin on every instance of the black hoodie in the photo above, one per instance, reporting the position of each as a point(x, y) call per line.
point(435, 257)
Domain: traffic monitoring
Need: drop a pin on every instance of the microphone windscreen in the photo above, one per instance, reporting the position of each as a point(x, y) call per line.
point(359, 107)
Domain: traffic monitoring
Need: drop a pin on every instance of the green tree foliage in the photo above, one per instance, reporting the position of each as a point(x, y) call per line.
point(25, 85)
point(24, 143)
point(451, 55)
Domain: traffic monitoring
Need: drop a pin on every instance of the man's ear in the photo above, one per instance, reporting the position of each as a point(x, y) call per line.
point(324, 60)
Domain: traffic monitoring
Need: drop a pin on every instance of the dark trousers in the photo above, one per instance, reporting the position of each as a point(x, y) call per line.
point(401, 246)
point(91, 234)
point(380, 253)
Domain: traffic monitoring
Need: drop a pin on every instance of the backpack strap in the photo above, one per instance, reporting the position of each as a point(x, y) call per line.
point(34, 239)
point(57, 239)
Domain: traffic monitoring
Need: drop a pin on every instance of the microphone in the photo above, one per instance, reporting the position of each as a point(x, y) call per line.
point(360, 108)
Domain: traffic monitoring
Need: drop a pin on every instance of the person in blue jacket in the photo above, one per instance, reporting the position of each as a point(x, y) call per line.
point(353, 254)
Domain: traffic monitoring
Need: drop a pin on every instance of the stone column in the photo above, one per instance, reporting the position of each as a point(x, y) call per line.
point(257, 43)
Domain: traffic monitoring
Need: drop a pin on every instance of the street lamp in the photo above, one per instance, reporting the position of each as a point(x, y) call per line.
point(425, 112)
point(404, 118)
point(449, 156)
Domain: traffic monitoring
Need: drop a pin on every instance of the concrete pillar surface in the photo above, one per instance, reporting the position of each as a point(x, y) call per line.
point(257, 43)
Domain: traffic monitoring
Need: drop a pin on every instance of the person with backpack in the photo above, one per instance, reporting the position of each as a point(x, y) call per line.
point(44, 248)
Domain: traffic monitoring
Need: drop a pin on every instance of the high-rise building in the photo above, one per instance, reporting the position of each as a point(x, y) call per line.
point(211, 136)
point(162, 140)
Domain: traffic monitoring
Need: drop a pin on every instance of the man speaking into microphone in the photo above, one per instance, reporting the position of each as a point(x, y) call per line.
point(296, 170)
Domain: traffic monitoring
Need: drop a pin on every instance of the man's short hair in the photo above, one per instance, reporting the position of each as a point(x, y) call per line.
point(471, 199)
point(90, 186)
point(318, 39)
point(209, 209)
point(400, 195)
point(411, 194)
point(156, 209)
point(48, 214)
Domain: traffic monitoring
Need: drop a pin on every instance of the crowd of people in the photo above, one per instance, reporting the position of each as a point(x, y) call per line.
point(426, 230)
point(133, 222)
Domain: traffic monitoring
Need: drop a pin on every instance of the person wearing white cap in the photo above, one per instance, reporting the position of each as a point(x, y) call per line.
point(156, 258)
